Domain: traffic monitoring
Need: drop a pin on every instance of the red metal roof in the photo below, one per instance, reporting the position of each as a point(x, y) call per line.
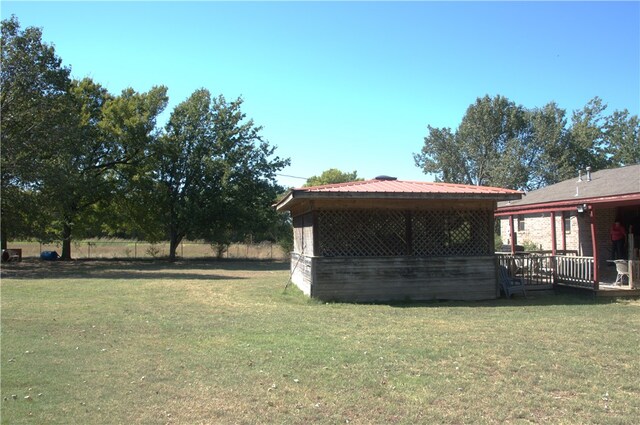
point(396, 189)
point(406, 186)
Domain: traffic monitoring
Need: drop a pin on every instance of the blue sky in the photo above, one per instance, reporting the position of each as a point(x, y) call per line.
point(352, 85)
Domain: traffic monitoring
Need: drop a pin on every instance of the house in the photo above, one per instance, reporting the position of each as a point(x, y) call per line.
point(390, 240)
point(575, 216)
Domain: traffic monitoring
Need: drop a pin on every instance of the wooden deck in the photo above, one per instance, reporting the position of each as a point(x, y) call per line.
point(563, 273)
point(617, 292)
point(608, 288)
point(606, 292)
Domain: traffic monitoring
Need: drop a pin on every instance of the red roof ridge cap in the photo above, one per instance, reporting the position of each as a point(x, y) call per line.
point(332, 185)
point(463, 185)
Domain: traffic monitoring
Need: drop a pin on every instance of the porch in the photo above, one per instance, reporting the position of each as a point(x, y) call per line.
point(542, 270)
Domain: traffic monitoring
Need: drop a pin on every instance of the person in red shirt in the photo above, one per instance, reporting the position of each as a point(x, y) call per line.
point(618, 239)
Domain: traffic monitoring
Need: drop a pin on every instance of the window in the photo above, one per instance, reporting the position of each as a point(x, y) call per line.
point(566, 216)
point(520, 223)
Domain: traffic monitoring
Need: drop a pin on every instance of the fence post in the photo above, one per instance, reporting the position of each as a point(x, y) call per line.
point(88, 250)
point(135, 249)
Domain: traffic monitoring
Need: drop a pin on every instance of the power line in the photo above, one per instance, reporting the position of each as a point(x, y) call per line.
point(292, 177)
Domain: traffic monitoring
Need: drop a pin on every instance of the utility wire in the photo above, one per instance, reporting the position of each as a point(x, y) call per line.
point(292, 177)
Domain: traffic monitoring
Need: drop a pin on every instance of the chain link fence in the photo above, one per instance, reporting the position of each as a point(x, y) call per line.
point(109, 249)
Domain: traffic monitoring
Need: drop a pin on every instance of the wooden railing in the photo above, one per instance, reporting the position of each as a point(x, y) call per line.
point(536, 269)
point(575, 271)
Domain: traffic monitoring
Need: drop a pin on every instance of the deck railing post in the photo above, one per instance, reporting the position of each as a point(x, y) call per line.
point(553, 233)
point(512, 236)
point(596, 277)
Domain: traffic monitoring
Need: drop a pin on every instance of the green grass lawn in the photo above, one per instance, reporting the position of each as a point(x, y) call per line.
point(222, 342)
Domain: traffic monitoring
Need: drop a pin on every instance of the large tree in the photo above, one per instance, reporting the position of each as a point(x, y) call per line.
point(493, 138)
point(105, 134)
point(33, 93)
point(501, 144)
point(550, 147)
point(215, 174)
point(588, 142)
point(622, 131)
point(64, 143)
point(487, 148)
point(441, 156)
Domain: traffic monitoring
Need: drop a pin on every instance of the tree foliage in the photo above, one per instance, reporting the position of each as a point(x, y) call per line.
point(588, 141)
point(214, 174)
point(33, 83)
point(622, 130)
point(550, 152)
point(332, 176)
point(499, 143)
point(79, 161)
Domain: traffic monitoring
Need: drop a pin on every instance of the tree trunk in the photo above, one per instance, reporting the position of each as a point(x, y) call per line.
point(174, 241)
point(3, 237)
point(66, 242)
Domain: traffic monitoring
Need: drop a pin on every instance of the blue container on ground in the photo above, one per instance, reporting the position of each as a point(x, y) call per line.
point(49, 255)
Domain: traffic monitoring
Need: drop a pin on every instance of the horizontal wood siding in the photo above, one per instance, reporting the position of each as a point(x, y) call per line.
point(301, 272)
point(371, 279)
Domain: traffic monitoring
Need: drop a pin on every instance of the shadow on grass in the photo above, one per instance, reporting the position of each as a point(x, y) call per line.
point(136, 269)
point(535, 300)
point(562, 296)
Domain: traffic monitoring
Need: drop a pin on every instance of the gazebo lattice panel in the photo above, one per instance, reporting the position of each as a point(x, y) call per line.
point(360, 233)
point(451, 233)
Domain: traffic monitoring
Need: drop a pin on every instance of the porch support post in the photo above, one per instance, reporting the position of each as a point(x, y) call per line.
point(563, 230)
point(553, 233)
point(594, 244)
point(511, 235)
point(316, 234)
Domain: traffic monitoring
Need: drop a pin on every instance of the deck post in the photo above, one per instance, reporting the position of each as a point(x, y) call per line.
point(563, 231)
point(553, 233)
point(314, 234)
point(594, 244)
point(511, 235)
point(634, 278)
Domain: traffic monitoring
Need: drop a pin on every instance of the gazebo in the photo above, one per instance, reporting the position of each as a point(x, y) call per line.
point(386, 240)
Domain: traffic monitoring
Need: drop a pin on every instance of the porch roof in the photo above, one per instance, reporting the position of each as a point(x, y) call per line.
point(616, 186)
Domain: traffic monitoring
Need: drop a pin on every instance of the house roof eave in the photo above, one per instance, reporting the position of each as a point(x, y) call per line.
point(294, 197)
point(569, 204)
